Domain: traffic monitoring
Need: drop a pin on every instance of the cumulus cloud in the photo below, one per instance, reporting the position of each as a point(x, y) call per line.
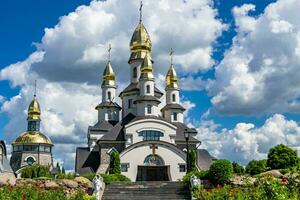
point(245, 141)
point(70, 57)
point(260, 72)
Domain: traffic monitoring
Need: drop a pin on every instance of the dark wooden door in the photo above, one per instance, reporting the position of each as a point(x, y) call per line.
point(152, 173)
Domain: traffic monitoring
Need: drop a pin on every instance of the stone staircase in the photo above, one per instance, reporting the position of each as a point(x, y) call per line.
point(155, 190)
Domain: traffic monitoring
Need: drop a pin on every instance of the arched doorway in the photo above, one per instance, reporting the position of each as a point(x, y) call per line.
point(153, 169)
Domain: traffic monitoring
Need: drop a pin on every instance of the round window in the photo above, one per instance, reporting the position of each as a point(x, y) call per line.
point(30, 161)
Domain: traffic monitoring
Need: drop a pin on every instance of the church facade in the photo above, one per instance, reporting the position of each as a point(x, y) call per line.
point(149, 137)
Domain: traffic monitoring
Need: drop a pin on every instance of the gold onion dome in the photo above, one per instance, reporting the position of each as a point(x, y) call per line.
point(34, 111)
point(147, 69)
point(140, 43)
point(109, 78)
point(33, 137)
point(171, 78)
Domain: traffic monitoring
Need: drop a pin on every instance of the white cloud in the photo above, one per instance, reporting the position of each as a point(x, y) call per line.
point(69, 60)
point(260, 72)
point(246, 141)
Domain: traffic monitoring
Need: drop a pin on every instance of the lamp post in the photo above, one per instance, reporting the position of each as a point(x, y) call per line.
point(187, 137)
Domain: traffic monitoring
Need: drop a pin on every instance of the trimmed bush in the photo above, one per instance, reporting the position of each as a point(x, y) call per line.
point(115, 163)
point(220, 172)
point(36, 171)
point(89, 176)
point(238, 169)
point(282, 157)
point(256, 167)
point(110, 178)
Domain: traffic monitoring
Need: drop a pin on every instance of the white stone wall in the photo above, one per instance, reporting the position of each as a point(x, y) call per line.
point(170, 117)
point(169, 98)
point(142, 109)
point(136, 64)
point(137, 156)
point(105, 90)
point(132, 130)
point(143, 88)
point(125, 109)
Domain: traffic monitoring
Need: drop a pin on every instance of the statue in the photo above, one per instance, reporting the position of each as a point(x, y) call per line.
point(195, 182)
point(98, 186)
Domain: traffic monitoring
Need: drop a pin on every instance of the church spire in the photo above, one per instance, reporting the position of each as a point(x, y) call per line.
point(34, 110)
point(171, 78)
point(108, 73)
point(147, 69)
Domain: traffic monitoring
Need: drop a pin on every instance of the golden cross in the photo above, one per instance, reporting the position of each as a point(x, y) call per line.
point(34, 87)
point(171, 55)
point(109, 49)
point(141, 6)
point(153, 147)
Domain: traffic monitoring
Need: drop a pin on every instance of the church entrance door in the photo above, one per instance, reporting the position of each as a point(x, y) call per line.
point(153, 173)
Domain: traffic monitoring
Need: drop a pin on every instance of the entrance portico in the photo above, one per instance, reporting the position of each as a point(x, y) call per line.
point(153, 161)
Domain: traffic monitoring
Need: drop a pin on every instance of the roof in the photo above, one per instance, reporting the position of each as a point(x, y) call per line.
point(134, 87)
point(33, 137)
point(173, 106)
point(108, 104)
point(86, 161)
point(204, 159)
point(147, 98)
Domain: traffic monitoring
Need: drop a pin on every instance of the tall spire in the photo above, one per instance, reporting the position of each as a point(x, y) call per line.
point(34, 110)
point(108, 73)
point(171, 78)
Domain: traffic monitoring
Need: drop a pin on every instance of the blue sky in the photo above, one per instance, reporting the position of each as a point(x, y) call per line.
point(22, 25)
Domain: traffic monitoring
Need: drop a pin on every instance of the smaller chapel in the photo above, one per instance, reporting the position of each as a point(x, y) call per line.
point(150, 137)
point(32, 146)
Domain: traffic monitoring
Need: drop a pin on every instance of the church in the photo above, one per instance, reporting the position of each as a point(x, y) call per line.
point(150, 137)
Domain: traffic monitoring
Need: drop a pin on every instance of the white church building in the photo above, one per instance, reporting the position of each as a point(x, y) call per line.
point(150, 140)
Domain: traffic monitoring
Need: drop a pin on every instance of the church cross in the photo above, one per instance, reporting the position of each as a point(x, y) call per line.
point(34, 87)
point(141, 6)
point(153, 147)
point(171, 55)
point(109, 50)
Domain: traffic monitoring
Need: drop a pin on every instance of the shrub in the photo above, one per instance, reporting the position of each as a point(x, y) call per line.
point(110, 178)
point(220, 172)
point(89, 176)
point(202, 174)
point(35, 171)
point(115, 163)
point(282, 157)
point(192, 160)
point(238, 169)
point(256, 167)
point(66, 176)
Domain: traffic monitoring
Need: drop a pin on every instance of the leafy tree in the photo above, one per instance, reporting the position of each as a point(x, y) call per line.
point(63, 171)
point(220, 172)
point(192, 160)
point(115, 163)
point(282, 157)
point(256, 167)
point(238, 169)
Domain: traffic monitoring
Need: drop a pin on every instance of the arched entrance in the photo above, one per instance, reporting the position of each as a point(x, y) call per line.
point(153, 169)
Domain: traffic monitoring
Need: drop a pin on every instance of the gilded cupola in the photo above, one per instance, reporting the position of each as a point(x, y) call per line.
point(147, 69)
point(171, 78)
point(109, 78)
point(34, 111)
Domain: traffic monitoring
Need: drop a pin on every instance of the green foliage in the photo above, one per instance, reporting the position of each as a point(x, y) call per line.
point(202, 174)
point(35, 171)
point(256, 167)
point(115, 163)
point(58, 168)
point(32, 193)
point(63, 171)
point(282, 157)
point(66, 176)
point(192, 160)
point(238, 169)
point(89, 176)
point(220, 172)
point(110, 178)
point(266, 189)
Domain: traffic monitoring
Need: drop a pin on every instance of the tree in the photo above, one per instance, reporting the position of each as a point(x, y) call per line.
point(256, 167)
point(220, 172)
point(238, 169)
point(282, 157)
point(192, 160)
point(115, 163)
point(63, 171)
point(58, 168)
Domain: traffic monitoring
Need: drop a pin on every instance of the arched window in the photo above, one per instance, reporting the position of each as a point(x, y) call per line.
point(153, 160)
point(134, 72)
point(173, 97)
point(149, 109)
point(175, 116)
point(30, 160)
point(148, 89)
point(109, 95)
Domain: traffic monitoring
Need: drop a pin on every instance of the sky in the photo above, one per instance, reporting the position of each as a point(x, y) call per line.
point(238, 63)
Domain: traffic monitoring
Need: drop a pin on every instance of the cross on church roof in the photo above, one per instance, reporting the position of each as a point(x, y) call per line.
point(141, 6)
point(34, 88)
point(153, 147)
point(109, 50)
point(171, 55)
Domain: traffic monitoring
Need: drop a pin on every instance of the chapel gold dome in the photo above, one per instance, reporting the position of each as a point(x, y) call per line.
point(108, 76)
point(33, 137)
point(34, 111)
point(171, 78)
point(140, 39)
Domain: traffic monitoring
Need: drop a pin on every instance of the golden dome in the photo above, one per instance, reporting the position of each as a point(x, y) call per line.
point(147, 69)
point(34, 111)
point(171, 78)
point(33, 137)
point(108, 76)
point(140, 43)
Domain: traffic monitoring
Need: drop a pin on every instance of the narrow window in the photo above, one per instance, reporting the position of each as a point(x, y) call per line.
point(181, 167)
point(149, 107)
point(173, 97)
point(109, 95)
point(129, 103)
point(109, 115)
point(175, 116)
point(148, 89)
point(134, 72)
point(124, 167)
